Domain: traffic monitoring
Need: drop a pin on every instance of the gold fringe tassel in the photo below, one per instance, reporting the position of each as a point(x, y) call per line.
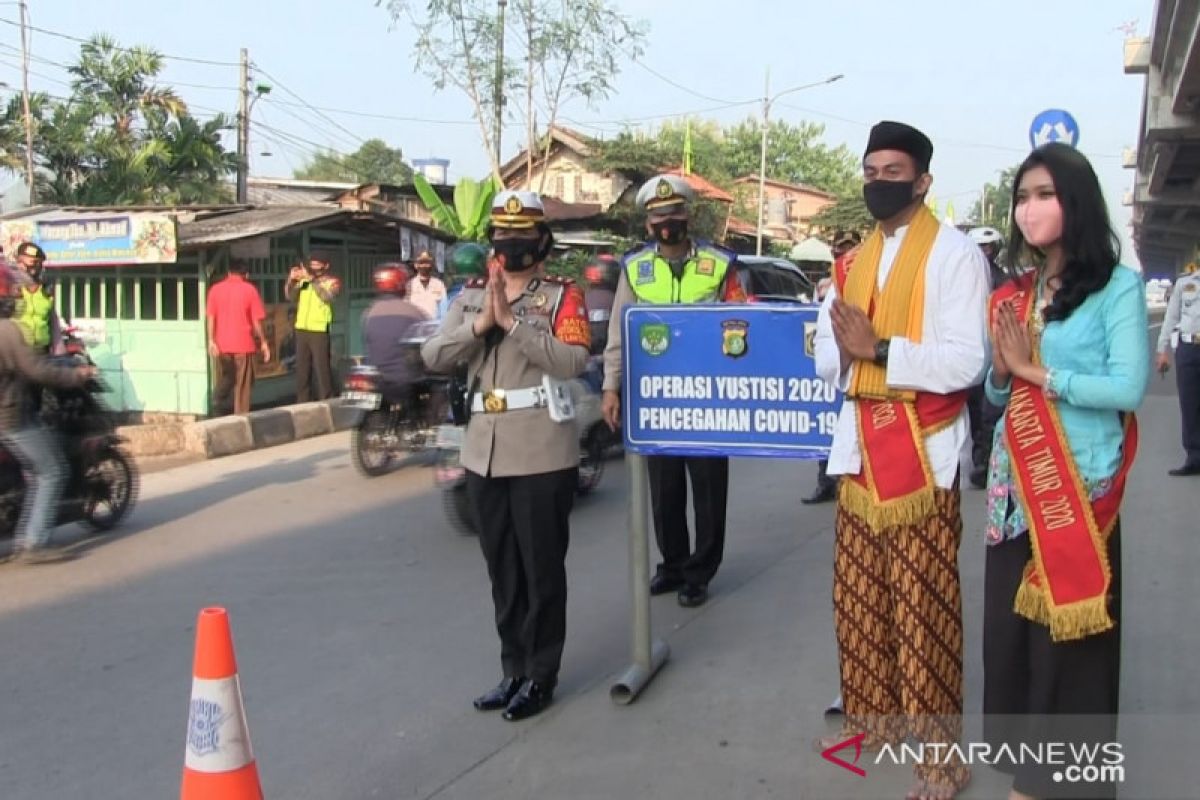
point(880, 516)
point(1067, 623)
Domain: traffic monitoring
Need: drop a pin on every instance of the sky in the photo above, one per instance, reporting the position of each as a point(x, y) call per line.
point(972, 75)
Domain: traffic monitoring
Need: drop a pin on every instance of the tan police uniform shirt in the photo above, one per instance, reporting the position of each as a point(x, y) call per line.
point(552, 339)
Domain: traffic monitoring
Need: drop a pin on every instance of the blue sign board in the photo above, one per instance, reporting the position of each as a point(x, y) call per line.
point(1053, 125)
point(724, 379)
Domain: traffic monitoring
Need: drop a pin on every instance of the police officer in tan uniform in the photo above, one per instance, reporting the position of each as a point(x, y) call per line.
point(516, 328)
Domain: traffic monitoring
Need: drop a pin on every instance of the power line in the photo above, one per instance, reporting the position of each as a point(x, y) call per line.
point(680, 86)
point(69, 37)
point(332, 135)
point(311, 107)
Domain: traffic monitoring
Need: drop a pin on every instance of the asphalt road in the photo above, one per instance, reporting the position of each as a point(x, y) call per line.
point(363, 628)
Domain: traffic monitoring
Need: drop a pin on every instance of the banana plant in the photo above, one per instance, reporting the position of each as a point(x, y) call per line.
point(469, 216)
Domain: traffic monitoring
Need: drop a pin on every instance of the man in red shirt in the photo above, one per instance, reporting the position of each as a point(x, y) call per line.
point(235, 316)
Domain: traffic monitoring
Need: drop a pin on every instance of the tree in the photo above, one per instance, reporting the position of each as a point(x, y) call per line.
point(795, 154)
point(994, 207)
point(849, 213)
point(120, 138)
point(470, 215)
point(571, 50)
point(373, 162)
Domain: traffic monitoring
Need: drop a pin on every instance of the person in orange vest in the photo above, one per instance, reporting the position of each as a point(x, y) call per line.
point(314, 291)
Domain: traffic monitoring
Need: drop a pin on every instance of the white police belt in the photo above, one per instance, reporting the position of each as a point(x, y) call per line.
point(1189, 338)
point(553, 394)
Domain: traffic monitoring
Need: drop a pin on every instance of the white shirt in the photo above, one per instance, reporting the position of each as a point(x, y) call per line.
point(952, 355)
point(427, 298)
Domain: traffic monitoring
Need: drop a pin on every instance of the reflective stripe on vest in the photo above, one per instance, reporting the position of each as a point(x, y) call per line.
point(313, 314)
point(34, 316)
point(652, 281)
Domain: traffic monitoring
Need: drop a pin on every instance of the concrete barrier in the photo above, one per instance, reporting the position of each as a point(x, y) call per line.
point(311, 419)
point(161, 439)
point(271, 427)
point(224, 436)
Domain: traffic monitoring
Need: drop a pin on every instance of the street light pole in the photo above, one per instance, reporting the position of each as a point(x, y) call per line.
point(766, 117)
point(29, 177)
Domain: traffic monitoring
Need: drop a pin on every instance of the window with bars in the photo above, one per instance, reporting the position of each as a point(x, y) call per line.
point(147, 294)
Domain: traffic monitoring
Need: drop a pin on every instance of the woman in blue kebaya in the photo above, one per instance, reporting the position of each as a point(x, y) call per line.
point(1070, 356)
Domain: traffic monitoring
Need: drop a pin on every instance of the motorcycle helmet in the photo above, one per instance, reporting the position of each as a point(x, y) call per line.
point(985, 235)
point(603, 273)
point(390, 279)
point(469, 260)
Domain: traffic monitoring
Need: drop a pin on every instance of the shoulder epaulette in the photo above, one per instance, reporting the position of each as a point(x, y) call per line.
point(635, 251)
point(723, 251)
point(476, 283)
point(560, 280)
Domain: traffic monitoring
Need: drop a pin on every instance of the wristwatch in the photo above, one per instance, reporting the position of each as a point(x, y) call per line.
point(881, 352)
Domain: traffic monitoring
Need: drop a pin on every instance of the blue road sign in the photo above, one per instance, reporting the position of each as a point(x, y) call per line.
point(1053, 125)
point(722, 379)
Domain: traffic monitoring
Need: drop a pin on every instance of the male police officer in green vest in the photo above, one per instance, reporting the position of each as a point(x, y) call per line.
point(314, 291)
point(35, 311)
point(674, 268)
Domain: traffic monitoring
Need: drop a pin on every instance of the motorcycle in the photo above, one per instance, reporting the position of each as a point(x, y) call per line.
point(450, 477)
point(397, 421)
point(102, 481)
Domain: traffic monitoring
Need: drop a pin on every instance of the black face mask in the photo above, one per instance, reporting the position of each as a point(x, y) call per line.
point(519, 254)
point(670, 231)
point(886, 199)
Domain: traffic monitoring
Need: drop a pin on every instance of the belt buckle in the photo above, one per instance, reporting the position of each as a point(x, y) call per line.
point(495, 401)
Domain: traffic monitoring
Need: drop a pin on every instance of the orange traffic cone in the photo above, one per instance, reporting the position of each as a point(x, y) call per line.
point(218, 762)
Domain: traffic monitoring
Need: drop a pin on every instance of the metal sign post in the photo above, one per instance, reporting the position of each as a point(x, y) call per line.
point(711, 380)
point(648, 654)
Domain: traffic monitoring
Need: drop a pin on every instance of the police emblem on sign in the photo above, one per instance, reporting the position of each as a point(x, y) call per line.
point(205, 719)
point(810, 339)
point(734, 342)
point(655, 338)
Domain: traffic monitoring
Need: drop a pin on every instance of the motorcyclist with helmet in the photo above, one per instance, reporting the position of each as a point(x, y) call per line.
point(22, 433)
point(601, 277)
point(386, 324)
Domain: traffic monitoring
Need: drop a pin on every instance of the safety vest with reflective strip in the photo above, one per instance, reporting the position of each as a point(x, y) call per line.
point(652, 280)
point(34, 316)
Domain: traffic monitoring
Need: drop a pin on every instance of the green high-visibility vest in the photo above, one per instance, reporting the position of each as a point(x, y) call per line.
point(313, 313)
point(34, 316)
point(652, 280)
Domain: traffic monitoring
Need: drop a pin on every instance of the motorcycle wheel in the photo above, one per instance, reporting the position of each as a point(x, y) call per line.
point(10, 511)
point(591, 462)
point(111, 483)
point(370, 455)
point(458, 509)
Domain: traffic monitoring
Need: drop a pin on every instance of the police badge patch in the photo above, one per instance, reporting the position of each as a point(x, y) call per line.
point(645, 272)
point(706, 266)
point(734, 342)
point(810, 339)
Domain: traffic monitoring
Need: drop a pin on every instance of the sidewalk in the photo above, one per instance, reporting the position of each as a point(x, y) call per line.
point(734, 711)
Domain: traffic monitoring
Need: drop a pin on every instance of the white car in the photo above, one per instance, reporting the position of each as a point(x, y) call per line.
point(1156, 293)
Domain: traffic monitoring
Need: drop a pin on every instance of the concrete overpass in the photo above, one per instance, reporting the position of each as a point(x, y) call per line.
point(1166, 192)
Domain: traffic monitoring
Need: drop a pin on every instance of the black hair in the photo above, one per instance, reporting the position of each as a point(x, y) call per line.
point(239, 267)
point(1091, 249)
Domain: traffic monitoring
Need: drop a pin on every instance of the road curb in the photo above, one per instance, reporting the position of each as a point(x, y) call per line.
point(226, 436)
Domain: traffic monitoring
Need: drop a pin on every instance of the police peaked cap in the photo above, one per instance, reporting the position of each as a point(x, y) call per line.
point(888, 135)
point(518, 210)
point(663, 191)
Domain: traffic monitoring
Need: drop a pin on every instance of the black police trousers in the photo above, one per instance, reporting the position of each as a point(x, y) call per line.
point(524, 532)
point(668, 500)
point(1187, 377)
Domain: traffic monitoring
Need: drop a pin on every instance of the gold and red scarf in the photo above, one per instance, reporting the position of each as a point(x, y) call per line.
point(1065, 585)
point(895, 486)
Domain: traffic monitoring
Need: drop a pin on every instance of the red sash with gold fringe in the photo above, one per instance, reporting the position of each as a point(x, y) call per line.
point(1065, 585)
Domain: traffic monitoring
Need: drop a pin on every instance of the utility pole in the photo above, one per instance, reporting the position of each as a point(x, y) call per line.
point(762, 167)
point(498, 88)
point(243, 128)
point(29, 177)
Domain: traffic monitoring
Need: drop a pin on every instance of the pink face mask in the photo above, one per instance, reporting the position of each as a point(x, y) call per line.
point(1040, 220)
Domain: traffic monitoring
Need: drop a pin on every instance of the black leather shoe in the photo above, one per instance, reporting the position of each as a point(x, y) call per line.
point(823, 494)
point(1185, 470)
point(661, 584)
point(500, 696)
point(533, 698)
point(693, 595)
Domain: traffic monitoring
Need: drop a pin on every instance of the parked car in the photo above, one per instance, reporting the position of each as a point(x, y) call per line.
point(774, 280)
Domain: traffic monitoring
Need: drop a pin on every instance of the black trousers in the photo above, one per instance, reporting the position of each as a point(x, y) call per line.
point(1187, 378)
point(825, 481)
point(312, 356)
point(668, 500)
point(524, 531)
point(1037, 690)
point(983, 416)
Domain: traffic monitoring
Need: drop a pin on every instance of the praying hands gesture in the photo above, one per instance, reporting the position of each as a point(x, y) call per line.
point(496, 308)
point(1012, 349)
point(853, 331)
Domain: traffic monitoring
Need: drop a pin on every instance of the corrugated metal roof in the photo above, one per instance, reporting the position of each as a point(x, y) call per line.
point(254, 222)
